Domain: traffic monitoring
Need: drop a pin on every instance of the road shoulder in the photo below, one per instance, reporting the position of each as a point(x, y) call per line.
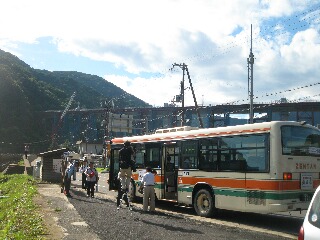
point(60, 217)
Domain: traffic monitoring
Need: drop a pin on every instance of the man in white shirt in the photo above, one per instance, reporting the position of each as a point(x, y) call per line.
point(148, 190)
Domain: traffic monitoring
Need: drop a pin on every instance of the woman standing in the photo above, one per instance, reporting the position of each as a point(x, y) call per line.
point(92, 178)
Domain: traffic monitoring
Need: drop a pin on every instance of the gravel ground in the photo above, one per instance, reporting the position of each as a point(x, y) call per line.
point(98, 218)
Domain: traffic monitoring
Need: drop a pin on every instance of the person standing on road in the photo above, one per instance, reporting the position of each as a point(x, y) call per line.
point(67, 179)
point(121, 194)
point(92, 178)
point(26, 151)
point(147, 184)
point(84, 176)
point(126, 163)
point(75, 166)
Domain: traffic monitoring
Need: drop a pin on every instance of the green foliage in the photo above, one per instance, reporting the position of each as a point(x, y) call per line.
point(99, 170)
point(21, 162)
point(26, 93)
point(18, 216)
point(67, 144)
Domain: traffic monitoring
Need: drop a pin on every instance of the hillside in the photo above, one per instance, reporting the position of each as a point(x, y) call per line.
point(26, 92)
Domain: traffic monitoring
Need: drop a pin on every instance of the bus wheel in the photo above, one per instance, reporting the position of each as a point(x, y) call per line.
point(203, 203)
point(132, 191)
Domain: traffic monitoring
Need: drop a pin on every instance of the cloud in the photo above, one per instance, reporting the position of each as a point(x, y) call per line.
point(149, 91)
point(303, 52)
point(144, 38)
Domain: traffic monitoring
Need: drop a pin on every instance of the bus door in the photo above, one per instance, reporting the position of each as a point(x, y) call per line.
point(170, 171)
point(114, 169)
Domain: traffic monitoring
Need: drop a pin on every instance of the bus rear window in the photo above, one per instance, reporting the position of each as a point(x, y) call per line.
point(300, 141)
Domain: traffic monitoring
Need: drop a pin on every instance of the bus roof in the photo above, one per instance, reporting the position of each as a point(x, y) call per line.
point(207, 132)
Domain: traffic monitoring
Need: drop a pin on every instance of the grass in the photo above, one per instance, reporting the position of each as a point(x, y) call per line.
point(19, 218)
point(99, 170)
point(21, 162)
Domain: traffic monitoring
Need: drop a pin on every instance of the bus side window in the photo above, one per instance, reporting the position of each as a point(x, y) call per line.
point(256, 163)
point(208, 162)
point(225, 162)
point(140, 158)
point(189, 154)
point(186, 163)
point(204, 162)
point(152, 157)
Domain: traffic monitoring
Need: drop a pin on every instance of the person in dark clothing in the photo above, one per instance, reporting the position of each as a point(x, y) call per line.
point(84, 176)
point(126, 163)
point(67, 179)
point(26, 151)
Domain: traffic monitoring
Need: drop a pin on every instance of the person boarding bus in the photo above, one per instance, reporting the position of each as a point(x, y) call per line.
point(125, 157)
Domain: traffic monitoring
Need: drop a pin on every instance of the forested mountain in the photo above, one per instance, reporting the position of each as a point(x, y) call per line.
point(25, 92)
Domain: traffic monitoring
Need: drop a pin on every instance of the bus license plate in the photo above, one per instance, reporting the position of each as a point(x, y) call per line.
point(306, 181)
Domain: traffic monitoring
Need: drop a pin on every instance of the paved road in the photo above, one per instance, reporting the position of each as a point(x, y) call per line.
point(254, 226)
point(104, 188)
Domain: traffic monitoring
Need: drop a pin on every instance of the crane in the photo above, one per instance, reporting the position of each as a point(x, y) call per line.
point(55, 130)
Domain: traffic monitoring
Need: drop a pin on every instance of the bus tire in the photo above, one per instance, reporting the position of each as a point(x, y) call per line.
point(204, 203)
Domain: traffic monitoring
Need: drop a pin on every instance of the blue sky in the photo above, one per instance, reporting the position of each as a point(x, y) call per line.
point(133, 44)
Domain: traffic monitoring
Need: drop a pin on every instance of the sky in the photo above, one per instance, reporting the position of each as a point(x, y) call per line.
point(141, 46)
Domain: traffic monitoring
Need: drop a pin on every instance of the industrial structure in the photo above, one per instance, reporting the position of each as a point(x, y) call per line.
point(87, 124)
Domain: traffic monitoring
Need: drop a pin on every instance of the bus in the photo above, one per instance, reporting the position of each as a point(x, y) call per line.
point(262, 167)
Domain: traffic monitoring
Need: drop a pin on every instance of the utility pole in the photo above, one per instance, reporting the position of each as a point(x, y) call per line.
point(184, 68)
point(250, 61)
point(108, 106)
point(195, 100)
point(182, 95)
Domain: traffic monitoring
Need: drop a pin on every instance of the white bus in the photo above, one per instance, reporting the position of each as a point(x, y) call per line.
point(262, 167)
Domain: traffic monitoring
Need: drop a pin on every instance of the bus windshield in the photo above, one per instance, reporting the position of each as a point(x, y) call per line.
point(300, 141)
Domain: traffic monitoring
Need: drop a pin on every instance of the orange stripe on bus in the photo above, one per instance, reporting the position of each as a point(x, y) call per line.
point(316, 183)
point(135, 177)
point(244, 183)
point(157, 178)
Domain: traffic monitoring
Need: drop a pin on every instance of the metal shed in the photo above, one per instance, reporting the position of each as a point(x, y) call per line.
point(50, 162)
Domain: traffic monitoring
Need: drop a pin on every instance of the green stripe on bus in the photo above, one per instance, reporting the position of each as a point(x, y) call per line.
point(254, 193)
